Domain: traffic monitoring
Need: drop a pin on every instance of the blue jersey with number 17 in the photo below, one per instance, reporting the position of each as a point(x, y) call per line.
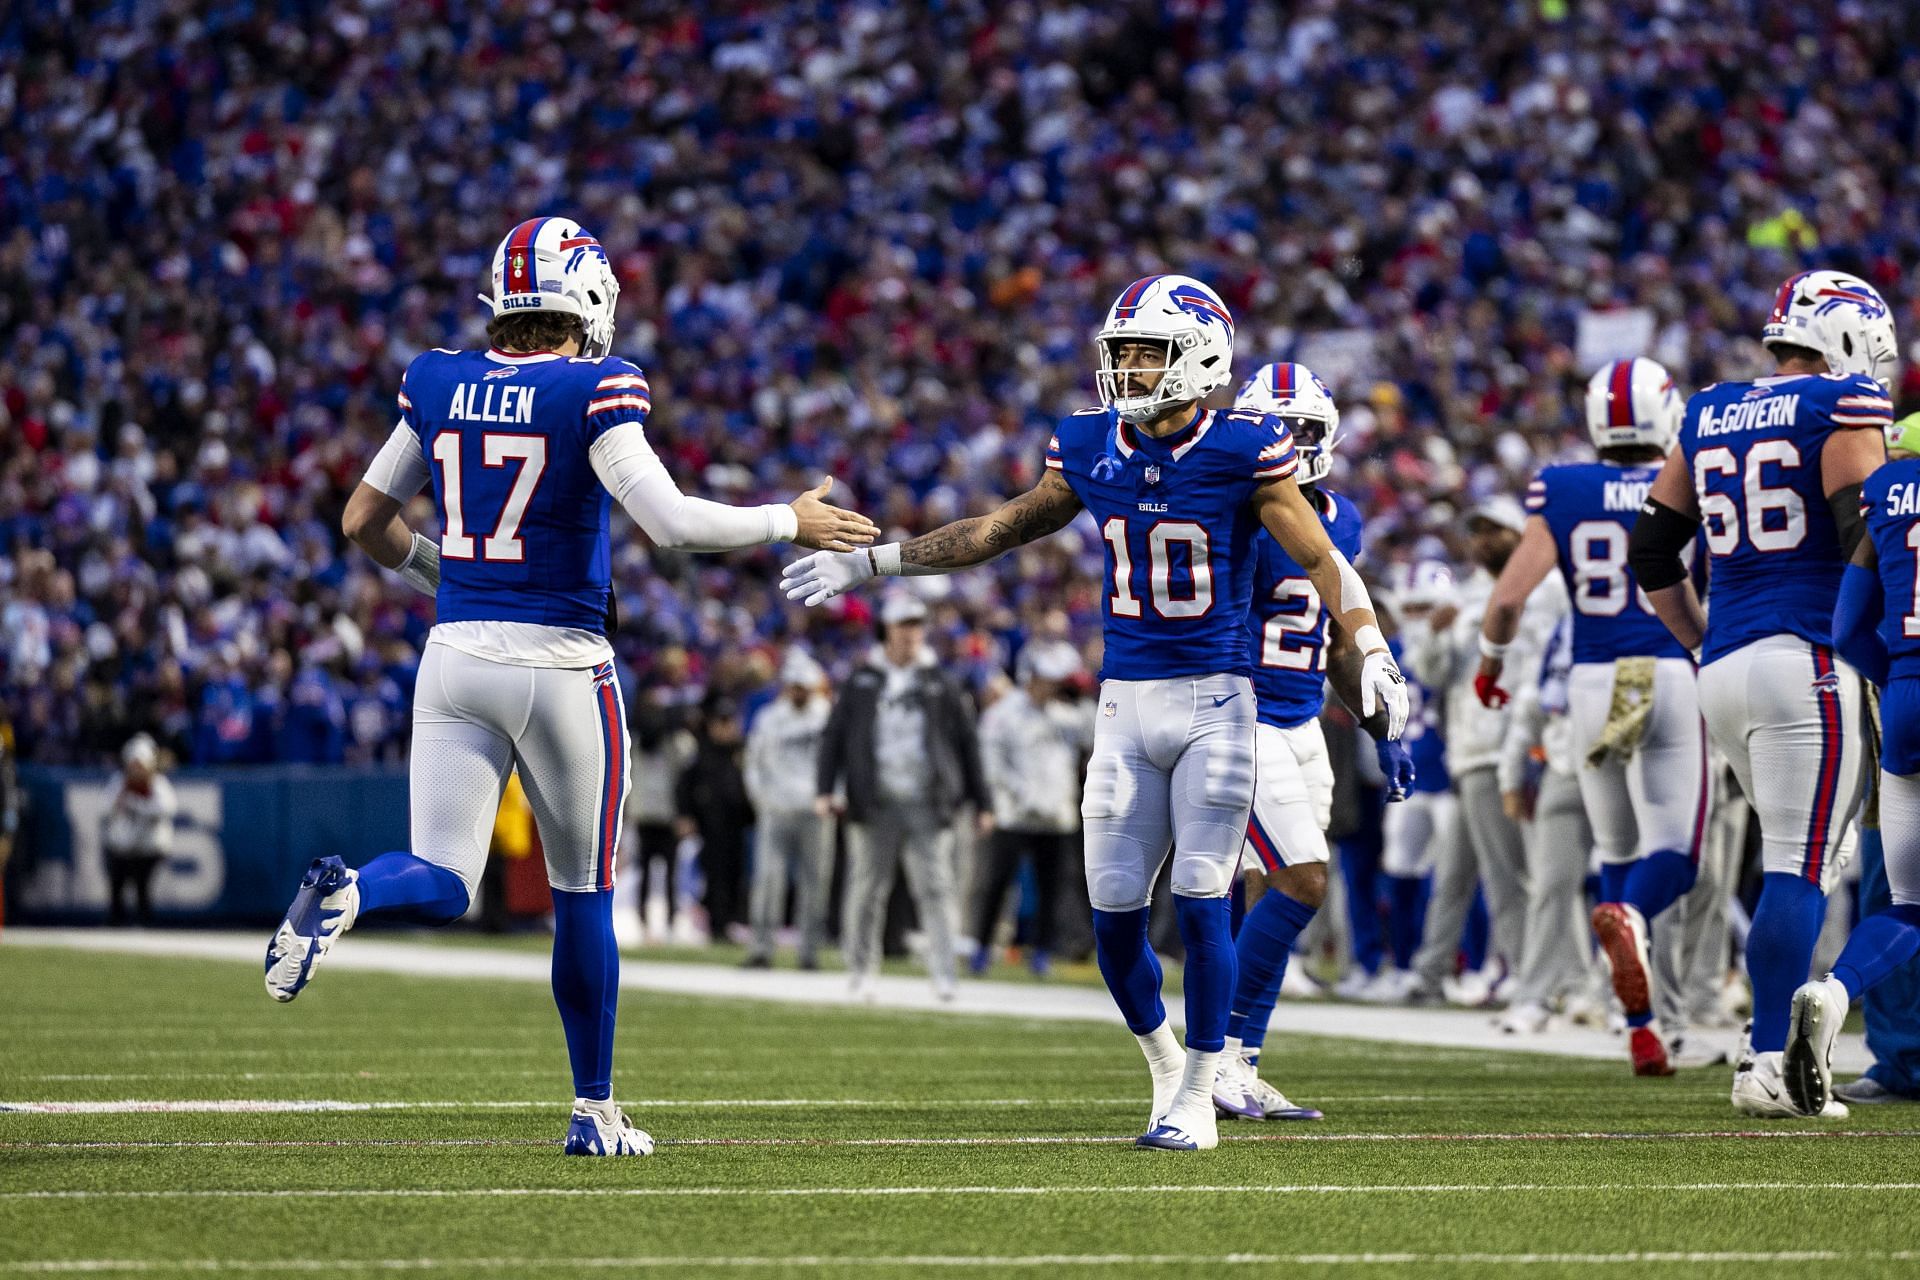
point(1590, 507)
point(523, 514)
point(1754, 451)
point(1178, 531)
point(1289, 623)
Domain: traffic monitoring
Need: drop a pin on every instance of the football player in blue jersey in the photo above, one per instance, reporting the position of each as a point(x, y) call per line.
point(1769, 473)
point(1876, 628)
point(1178, 494)
point(1631, 697)
point(1295, 653)
point(526, 444)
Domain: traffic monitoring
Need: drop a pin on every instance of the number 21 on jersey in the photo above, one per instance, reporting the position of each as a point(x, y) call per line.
point(1179, 563)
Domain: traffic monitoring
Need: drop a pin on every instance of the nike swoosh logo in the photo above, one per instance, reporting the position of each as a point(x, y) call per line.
point(1221, 702)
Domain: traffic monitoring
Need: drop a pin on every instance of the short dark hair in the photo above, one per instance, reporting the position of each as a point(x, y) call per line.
point(534, 330)
point(1794, 351)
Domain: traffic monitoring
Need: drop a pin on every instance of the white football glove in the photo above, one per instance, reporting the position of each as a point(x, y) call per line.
point(1382, 685)
point(823, 575)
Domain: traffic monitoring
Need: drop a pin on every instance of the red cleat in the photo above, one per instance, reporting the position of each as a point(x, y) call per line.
point(1623, 940)
point(1649, 1052)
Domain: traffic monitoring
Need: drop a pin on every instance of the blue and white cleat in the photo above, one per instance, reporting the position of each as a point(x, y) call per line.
point(325, 908)
point(590, 1133)
point(1273, 1104)
point(1188, 1126)
point(1233, 1090)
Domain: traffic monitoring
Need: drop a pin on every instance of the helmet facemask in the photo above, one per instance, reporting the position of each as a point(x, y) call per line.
point(1313, 446)
point(1172, 389)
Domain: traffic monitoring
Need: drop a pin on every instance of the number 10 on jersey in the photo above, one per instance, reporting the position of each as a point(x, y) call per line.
point(1175, 590)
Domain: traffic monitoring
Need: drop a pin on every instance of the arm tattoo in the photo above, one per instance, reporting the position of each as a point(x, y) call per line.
point(1047, 508)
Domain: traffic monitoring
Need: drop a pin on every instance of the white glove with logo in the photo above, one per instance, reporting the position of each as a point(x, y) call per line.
point(823, 575)
point(1382, 685)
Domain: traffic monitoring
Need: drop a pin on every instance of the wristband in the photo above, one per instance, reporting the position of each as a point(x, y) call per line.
point(1369, 640)
point(885, 560)
point(1490, 649)
point(421, 569)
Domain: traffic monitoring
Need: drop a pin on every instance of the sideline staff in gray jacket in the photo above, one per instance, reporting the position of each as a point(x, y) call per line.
point(901, 741)
point(790, 845)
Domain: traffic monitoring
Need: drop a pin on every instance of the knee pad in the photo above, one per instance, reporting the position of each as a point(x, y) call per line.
point(1204, 875)
point(1116, 883)
point(1109, 791)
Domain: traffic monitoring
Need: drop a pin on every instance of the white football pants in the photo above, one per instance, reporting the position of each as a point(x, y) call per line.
point(564, 728)
point(1172, 766)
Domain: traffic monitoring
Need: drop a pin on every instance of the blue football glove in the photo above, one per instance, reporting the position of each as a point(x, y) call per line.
point(1397, 766)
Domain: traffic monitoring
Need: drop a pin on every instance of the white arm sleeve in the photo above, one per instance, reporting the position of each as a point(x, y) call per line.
point(399, 470)
point(638, 481)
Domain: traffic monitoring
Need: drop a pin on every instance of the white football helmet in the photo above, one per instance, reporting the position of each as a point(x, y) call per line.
point(1190, 320)
point(1295, 392)
point(1842, 317)
point(1633, 402)
point(551, 264)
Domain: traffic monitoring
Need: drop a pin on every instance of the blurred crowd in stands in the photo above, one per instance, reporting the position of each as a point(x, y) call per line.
point(861, 239)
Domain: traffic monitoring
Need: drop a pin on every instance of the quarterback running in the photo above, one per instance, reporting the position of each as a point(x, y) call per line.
point(1635, 714)
point(1769, 473)
point(527, 445)
point(1178, 494)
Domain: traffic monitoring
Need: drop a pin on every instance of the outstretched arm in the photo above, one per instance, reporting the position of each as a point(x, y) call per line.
point(633, 473)
point(1287, 515)
point(1046, 508)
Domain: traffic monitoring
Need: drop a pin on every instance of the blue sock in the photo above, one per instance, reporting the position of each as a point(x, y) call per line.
point(1657, 881)
point(1210, 965)
point(399, 886)
point(1786, 924)
point(586, 986)
point(1131, 970)
point(1406, 917)
point(1879, 944)
point(1265, 943)
point(1613, 880)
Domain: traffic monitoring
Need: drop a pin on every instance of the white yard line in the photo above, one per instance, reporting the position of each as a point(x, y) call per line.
point(386, 953)
point(777, 1193)
point(96, 1266)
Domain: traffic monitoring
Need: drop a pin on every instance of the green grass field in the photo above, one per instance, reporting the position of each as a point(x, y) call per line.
point(799, 1141)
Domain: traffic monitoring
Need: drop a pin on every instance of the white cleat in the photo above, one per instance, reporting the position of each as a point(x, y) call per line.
point(1819, 1011)
point(1353, 985)
point(1759, 1089)
point(1297, 984)
point(1274, 1105)
point(1528, 1018)
point(862, 988)
point(1189, 1125)
point(325, 908)
point(591, 1133)
point(1233, 1089)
